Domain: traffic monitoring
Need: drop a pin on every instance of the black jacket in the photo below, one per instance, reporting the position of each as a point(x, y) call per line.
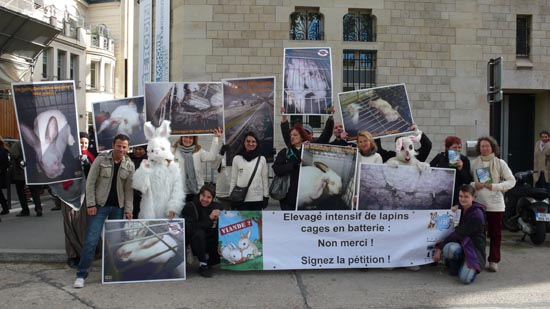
point(324, 138)
point(461, 177)
point(288, 164)
point(198, 217)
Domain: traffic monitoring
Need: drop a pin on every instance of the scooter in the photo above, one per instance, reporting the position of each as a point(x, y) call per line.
point(527, 209)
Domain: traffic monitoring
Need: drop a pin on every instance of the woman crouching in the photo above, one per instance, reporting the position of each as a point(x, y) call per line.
point(464, 249)
point(201, 228)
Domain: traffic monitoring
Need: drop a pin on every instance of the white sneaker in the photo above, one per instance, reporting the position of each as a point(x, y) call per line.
point(78, 283)
point(493, 267)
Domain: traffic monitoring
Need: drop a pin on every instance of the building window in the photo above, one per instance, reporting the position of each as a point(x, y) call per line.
point(45, 63)
point(523, 36)
point(61, 62)
point(359, 69)
point(73, 69)
point(360, 25)
point(306, 24)
point(93, 74)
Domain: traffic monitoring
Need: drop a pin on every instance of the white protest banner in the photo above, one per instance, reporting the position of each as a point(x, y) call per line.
point(341, 239)
point(145, 34)
point(162, 40)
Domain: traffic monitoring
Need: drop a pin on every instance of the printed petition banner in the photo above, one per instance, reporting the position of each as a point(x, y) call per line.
point(336, 239)
point(382, 111)
point(241, 240)
point(248, 106)
point(143, 250)
point(46, 114)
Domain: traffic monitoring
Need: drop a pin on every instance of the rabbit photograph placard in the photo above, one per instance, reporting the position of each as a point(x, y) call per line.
point(326, 179)
point(249, 106)
point(123, 116)
point(192, 108)
point(46, 114)
point(382, 111)
point(143, 250)
point(405, 187)
point(307, 83)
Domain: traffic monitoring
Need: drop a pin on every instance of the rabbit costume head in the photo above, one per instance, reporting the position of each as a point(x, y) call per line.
point(158, 148)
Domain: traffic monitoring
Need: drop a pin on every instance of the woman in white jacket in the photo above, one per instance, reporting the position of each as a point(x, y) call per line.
point(191, 158)
point(492, 177)
point(241, 171)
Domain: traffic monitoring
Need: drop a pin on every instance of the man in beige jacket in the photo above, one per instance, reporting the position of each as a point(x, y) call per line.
point(542, 158)
point(109, 195)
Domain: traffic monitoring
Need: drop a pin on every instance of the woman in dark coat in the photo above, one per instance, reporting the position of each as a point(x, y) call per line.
point(462, 165)
point(288, 162)
point(201, 228)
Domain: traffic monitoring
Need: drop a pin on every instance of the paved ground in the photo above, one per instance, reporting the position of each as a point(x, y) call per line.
point(523, 282)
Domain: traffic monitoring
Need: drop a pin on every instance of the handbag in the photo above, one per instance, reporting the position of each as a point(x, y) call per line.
point(279, 187)
point(239, 193)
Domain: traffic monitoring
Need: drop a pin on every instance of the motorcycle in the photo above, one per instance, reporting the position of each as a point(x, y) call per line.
point(527, 209)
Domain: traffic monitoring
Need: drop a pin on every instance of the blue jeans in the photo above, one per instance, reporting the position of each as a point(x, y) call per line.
point(453, 254)
point(95, 226)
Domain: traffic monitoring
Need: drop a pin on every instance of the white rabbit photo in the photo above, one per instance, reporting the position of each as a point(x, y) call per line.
point(122, 116)
point(307, 81)
point(49, 133)
point(326, 178)
point(143, 250)
point(382, 111)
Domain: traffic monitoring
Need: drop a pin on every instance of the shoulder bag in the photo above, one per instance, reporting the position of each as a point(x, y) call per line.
point(239, 193)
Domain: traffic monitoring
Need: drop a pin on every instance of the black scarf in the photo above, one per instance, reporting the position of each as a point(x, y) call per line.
point(250, 155)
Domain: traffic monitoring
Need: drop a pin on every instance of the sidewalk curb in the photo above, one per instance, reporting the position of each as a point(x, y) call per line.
point(33, 255)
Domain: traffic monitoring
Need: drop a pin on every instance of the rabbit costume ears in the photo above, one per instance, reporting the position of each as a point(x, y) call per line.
point(162, 131)
point(413, 138)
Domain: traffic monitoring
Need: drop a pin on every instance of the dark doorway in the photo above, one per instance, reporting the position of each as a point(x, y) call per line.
point(521, 131)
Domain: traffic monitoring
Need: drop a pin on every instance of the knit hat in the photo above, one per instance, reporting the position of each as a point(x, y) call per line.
point(308, 128)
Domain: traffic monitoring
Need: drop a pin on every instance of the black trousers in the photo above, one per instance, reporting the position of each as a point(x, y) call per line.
point(35, 192)
point(247, 205)
point(205, 242)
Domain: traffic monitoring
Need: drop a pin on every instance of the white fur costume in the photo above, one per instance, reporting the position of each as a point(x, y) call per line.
point(159, 178)
point(406, 154)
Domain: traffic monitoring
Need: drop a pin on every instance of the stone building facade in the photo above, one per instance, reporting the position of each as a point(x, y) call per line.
point(438, 48)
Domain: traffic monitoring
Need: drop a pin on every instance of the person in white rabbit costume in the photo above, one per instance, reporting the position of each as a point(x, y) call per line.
point(159, 177)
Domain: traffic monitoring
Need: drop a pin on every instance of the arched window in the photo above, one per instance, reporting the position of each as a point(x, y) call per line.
point(359, 25)
point(307, 24)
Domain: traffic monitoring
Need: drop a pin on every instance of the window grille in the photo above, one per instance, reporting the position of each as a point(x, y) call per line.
point(523, 33)
point(359, 69)
point(359, 26)
point(307, 24)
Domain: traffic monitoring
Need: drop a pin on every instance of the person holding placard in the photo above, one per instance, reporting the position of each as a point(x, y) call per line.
point(249, 172)
point(288, 162)
point(491, 178)
point(191, 156)
point(452, 158)
point(367, 154)
point(464, 249)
